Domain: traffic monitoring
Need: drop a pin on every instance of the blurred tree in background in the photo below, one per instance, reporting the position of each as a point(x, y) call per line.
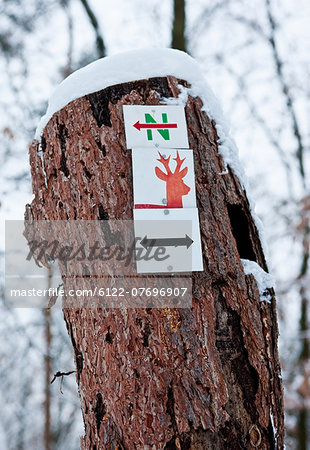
point(255, 57)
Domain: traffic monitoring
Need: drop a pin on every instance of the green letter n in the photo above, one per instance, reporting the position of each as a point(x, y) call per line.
point(163, 133)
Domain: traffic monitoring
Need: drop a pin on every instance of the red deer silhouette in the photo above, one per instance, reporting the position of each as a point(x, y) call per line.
point(175, 186)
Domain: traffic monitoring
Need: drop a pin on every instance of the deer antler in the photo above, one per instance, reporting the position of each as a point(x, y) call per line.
point(165, 163)
point(179, 162)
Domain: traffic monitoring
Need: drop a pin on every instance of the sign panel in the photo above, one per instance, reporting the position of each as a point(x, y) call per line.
point(163, 178)
point(174, 233)
point(155, 126)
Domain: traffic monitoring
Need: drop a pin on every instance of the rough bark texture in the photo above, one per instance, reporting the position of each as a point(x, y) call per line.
point(201, 378)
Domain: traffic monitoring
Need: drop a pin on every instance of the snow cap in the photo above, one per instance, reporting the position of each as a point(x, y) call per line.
point(122, 68)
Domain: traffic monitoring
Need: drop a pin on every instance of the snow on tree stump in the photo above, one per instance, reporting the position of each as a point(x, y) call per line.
point(207, 377)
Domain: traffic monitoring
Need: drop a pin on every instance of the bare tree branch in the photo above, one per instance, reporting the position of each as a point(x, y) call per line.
point(93, 20)
point(260, 120)
point(285, 90)
point(203, 20)
point(271, 39)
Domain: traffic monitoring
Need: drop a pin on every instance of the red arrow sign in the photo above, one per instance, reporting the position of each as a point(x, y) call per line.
point(139, 125)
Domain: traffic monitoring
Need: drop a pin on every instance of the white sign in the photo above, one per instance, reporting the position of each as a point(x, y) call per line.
point(169, 239)
point(155, 126)
point(163, 178)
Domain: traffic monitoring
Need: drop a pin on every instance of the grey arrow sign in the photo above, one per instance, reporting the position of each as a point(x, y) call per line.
point(167, 242)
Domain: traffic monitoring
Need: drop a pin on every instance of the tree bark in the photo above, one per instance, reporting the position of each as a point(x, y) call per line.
point(207, 377)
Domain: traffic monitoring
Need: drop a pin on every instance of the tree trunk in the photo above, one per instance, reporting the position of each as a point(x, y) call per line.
point(207, 377)
point(178, 29)
point(48, 373)
point(303, 413)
